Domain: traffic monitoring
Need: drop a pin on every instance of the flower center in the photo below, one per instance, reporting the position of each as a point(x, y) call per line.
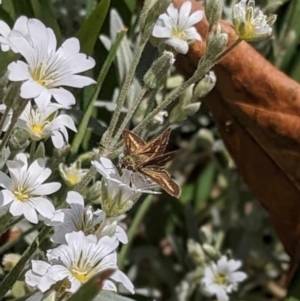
point(37, 128)
point(22, 193)
point(221, 279)
point(73, 178)
point(177, 33)
point(41, 76)
point(80, 276)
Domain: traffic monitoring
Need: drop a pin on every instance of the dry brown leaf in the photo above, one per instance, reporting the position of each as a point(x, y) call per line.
point(257, 110)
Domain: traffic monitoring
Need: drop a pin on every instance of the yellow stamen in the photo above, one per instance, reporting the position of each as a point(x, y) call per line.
point(73, 178)
point(22, 194)
point(221, 279)
point(80, 276)
point(37, 128)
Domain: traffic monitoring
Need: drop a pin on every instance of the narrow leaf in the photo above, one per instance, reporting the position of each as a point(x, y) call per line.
point(204, 184)
point(93, 96)
point(111, 296)
point(90, 29)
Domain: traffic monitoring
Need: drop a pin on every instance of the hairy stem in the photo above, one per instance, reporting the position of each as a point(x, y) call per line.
point(14, 119)
point(128, 117)
point(123, 93)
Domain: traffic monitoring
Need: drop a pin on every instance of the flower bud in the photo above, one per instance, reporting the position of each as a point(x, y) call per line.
point(191, 109)
point(215, 46)
point(158, 72)
point(211, 252)
point(10, 260)
point(60, 153)
point(178, 113)
point(94, 193)
point(205, 85)
point(196, 252)
point(18, 140)
point(213, 11)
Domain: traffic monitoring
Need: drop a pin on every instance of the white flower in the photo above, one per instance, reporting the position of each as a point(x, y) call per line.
point(177, 27)
point(78, 218)
point(221, 279)
point(5, 31)
point(250, 23)
point(120, 192)
point(34, 276)
point(82, 258)
point(42, 123)
point(72, 174)
point(46, 69)
point(39, 269)
point(7, 119)
point(23, 192)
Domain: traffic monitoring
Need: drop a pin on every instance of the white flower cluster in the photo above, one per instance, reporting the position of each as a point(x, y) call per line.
point(44, 74)
point(85, 240)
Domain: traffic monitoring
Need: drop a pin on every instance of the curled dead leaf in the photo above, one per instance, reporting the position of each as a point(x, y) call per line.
point(257, 110)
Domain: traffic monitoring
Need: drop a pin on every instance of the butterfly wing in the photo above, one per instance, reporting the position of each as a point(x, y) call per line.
point(159, 161)
point(156, 146)
point(132, 142)
point(163, 179)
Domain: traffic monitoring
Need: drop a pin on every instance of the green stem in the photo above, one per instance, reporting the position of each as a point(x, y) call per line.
point(32, 150)
point(14, 119)
point(128, 117)
point(133, 229)
point(102, 75)
point(4, 116)
point(173, 95)
point(86, 179)
point(123, 93)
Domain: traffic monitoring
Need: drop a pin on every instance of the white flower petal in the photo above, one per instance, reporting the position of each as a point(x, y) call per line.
point(63, 97)
point(73, 197)
point(18, 71)
point(57, 139)
point(43, 99)
point(31, 89)
point(77, 81)
point(124, 280)
point(6, 197)
point(179, 45)
point(43, 206)
point(46, 189)
point(5, 181)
